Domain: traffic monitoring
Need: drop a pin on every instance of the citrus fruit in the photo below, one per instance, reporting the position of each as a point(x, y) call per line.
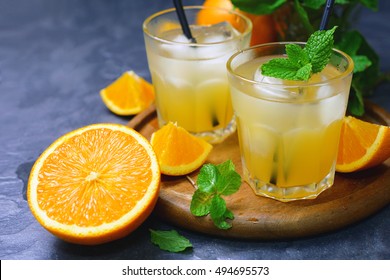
point(94, 184)
point(264, 28)
point(128, 95)
point(362, 145)
point(178, 151)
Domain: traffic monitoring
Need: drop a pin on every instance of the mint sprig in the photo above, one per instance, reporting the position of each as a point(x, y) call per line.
point(301, 63)
point(170, 240)
point(215, 181)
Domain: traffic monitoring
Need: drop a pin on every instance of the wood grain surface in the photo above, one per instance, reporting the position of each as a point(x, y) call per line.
point(353, 196)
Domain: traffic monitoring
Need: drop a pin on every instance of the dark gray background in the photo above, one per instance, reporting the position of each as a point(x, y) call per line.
point(55, 56)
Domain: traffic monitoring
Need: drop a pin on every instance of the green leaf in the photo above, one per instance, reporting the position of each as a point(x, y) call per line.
point(361, 63)
point(297, 55)
point(314, 4)
point(344, 2)
point(221, 223)
point(350, 42)
point(207, 178)
point(356, 103)
point(219, 213)
point(230, 183)
point(218, 207)
point(319, 48)
point(214, 181)
point(170, 241)
point(283, 68)
point(229, 180)
point(371, 4)
point(225, 167)
point(304, 73)
point(303, 15)
point(258, 7)
point(201, 203)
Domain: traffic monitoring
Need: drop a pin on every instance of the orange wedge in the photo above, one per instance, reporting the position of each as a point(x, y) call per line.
point(128, 95)
point(264, 27)
point(95, 184)
point(178, 151)
point(362, 145)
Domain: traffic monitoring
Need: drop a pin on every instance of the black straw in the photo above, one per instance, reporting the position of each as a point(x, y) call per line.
point(183, 20)
point(326, 15)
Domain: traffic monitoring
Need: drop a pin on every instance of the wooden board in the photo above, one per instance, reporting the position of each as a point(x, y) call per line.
point(353, 196)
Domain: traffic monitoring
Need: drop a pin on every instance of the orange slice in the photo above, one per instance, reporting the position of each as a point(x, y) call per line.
point(95, 184)
point(362, 145)
point(178, 151)
point(128, 95)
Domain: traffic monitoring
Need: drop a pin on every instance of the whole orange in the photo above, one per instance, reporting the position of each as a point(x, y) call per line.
point(264, 29)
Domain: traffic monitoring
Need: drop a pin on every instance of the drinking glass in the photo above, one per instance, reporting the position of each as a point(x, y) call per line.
point(288, 131)
point(189, 77)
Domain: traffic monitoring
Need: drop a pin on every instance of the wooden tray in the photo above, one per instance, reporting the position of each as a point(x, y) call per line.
point(353, 196)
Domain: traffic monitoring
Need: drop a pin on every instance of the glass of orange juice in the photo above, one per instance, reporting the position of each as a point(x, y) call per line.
point(288, 130)
point(190, 77)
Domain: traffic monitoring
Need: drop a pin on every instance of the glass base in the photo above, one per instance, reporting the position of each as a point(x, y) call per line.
point(285, 194)
point(218, 135)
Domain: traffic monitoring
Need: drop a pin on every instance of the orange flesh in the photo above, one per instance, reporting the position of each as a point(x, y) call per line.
point(360, 138)
point(116, 92)
point(79, 185)
point(180, 153)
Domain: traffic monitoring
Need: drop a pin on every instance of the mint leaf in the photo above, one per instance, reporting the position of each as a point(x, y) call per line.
point(229, 180)
point(218, 207)
point(225, 167)
point(319, 48)
point(170, 241)
point(304, 73)
point(302, 63)
point(282, 68)
point(219, 213)
point(231, 183)
point(297, 55)
point(214, 181)
point(207, 178)
point(201, 203)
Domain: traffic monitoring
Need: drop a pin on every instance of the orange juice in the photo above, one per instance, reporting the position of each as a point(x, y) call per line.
point(190, 77)
point(288, 130)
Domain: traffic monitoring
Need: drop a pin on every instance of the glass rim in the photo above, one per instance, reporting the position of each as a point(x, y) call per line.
point(147, 32)
point(347, 72)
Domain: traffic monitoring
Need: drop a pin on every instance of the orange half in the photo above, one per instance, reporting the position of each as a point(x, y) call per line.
point(95, 184)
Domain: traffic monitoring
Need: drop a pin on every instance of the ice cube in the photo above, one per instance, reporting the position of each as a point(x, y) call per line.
point(215, 33)
point(270, 87)
point(259, 77)
point(180, 38)
point(213, 36)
